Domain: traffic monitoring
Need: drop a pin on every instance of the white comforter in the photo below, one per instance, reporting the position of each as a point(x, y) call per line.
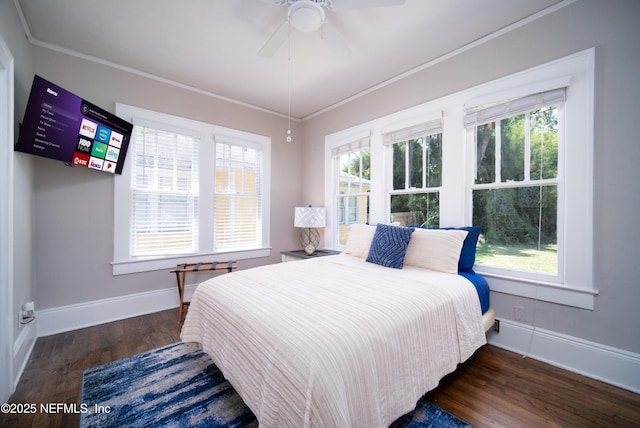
point(334, 341)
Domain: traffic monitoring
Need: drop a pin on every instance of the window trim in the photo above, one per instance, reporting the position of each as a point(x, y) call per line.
point(576, 72)
point(122, 262)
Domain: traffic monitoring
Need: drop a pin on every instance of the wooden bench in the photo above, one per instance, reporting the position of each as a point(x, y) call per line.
point(184, 268)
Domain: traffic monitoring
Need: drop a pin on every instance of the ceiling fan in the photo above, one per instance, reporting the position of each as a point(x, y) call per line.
point(309, 16)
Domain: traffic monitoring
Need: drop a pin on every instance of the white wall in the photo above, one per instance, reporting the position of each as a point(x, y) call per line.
point(611, 27)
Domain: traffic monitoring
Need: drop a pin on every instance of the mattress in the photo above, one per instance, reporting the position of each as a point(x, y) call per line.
point(335, 341)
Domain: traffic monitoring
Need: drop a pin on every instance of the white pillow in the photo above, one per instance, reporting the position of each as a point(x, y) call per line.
point(359, 239)
point(435, 249)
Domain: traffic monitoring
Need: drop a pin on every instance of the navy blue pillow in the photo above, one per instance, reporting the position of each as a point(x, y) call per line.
point(468, 253)
point(389, 245)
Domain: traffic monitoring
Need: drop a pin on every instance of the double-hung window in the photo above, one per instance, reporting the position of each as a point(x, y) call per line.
point(164, 193)
point(517, 181)
point(351, 170)
point(190, 191)
point(238, 196)
point(416, 174)
point(529, 170)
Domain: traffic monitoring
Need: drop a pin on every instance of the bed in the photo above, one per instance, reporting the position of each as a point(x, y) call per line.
point(343, 340)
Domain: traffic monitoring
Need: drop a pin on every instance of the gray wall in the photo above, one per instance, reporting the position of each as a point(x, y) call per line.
point(612, 28)
point(73, 207)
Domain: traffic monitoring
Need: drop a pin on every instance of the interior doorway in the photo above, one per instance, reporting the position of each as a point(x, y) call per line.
point(6, 222)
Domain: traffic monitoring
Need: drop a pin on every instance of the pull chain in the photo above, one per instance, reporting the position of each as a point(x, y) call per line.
point(289, 139)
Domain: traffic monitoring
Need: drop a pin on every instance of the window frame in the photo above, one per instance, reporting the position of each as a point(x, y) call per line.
point(234, 193)
point(351, 144)
point(576, 72)
point(122, 262)
point(155, 189)
point(500, 184)
point(425, 189)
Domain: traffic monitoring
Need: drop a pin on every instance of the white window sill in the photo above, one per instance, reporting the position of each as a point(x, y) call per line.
point(549, 292)
point(151, 264)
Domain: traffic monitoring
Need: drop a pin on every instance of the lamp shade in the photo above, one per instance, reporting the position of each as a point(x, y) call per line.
point(309, 217)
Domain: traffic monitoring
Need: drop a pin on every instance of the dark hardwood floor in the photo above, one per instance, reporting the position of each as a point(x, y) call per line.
point(494, 388)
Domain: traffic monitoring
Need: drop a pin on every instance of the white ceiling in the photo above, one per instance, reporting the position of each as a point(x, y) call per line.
point(212, 45)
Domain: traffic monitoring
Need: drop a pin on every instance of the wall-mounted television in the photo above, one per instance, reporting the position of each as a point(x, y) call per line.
point(60, 125)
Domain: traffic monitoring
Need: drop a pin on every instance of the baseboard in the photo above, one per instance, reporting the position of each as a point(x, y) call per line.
point(22, 348)
point(613, 366)
point(72, 317)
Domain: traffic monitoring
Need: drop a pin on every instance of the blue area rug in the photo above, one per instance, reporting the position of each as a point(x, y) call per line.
point(179, 386)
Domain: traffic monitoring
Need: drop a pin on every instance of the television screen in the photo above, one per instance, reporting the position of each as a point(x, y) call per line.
point(60, 125)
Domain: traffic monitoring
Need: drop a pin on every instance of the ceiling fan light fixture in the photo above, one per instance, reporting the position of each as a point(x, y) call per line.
point(306, 16)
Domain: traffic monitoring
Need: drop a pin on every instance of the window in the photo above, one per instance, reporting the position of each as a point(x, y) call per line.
point(352, 171)
point(529, 170)
point(238, 197)
point(190, 191)
point(516, 183)
point(416, 174)
point(165, 194)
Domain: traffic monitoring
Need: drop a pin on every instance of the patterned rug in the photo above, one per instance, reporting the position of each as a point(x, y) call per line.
point(179, 386)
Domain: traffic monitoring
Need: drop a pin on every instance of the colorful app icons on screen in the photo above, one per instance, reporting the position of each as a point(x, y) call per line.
point(100, 153)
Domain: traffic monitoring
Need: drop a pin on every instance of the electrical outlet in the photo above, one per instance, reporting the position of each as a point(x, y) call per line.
point(26, 314)
point(519, 313)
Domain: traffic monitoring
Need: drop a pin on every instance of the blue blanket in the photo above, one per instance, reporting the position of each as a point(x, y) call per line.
point(482, 287)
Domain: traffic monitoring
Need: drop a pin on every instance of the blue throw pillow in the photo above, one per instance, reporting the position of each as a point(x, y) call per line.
point(389, 245)
point(468, 253)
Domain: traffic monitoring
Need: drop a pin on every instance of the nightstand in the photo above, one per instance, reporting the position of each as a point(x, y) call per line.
point(290, 256)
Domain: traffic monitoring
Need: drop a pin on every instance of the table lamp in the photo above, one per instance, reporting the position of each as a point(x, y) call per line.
point(310, 218)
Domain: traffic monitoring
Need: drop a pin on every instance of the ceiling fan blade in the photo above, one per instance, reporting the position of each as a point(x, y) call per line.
point(334, 40)
point(362, 4)
point(276, 40)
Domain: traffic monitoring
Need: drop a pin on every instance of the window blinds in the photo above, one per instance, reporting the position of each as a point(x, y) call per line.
point(238, 196)
point(412, 132)
point(164, 193)
point(353, 146)
point(492, 112)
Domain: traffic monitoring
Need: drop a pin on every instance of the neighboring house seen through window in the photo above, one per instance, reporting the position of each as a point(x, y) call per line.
point(352, 168)
point(165, 193)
